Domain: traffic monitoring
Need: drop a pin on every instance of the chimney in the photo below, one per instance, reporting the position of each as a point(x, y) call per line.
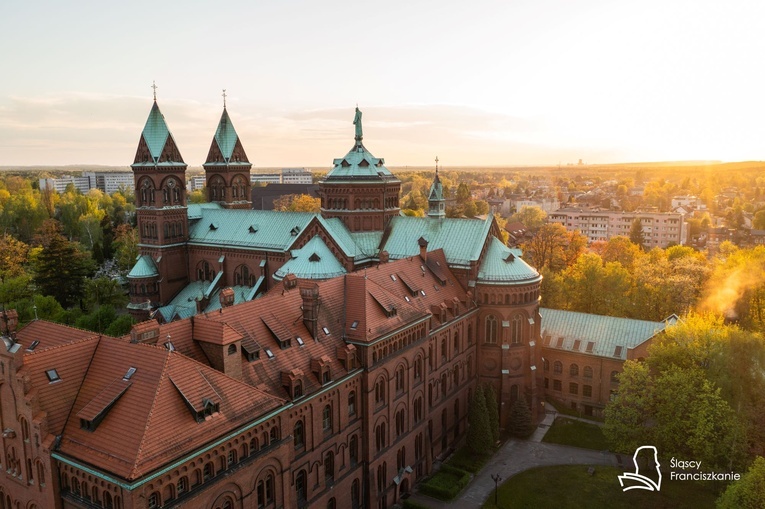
point(9, 319)
point(384, 256)
point(290, 281)
point(423, 248)
point(310, 294)
point(226, 297)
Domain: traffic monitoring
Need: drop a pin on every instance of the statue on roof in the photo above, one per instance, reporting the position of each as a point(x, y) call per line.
point(357, 123)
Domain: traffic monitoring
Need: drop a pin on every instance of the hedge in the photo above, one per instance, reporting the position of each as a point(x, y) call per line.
point(446, 483)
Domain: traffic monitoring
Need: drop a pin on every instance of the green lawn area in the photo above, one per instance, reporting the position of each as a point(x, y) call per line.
point(577, 433)
point(571, 487)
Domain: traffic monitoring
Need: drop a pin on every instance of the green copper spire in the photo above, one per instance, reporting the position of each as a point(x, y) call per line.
point(357, 123)
point(436, 201)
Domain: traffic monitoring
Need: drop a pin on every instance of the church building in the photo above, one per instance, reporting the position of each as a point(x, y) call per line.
point(282, 359)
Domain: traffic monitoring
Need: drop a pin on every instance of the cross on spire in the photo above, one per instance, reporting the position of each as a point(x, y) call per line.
point(436, 165)
point(154, 86)
point(224, 98)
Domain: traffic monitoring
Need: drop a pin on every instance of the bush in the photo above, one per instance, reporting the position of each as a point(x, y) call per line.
point(479, 431)
point(446, 483)
point(411, 504)
point(520, 424)
point(464, 459)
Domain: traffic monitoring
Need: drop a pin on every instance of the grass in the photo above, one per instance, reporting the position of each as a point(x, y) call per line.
point(563, 409)
point(566, 431)
point(571, 487)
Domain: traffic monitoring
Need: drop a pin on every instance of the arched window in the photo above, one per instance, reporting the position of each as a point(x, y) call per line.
point(274, 434)
point(400, 375)
point(231, 349)
point(491, 329)
point(513, 393)
point(301, 486)
point(208, 472)
point(108, 500)
point(456, 343)
point(380, 391)
point(417, 409)
point(353, 449)
point(182, 486)
point(326, 419)
point(558, 367)
point(380, 436)
point(329, 466)
point(355, 494)
point(573, 370)
point(516, 332)
point(418, 368)
point(298, 435)
point(331, 504)
point(615, 376)
point(243, 276)
point(587, 372)
point(352, 403)
point(154, 500)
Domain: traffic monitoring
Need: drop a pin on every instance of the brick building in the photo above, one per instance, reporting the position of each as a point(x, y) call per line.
point(291, 360)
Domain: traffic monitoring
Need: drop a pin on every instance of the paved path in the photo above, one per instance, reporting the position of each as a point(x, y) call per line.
point(515, 457)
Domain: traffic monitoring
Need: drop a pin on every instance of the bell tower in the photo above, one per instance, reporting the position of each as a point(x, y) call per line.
point(436, 201)
point(227, 169)
point(160, 197)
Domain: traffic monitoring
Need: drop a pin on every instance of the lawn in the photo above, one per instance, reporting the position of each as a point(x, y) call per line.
point(571, 487)
point(566, 431)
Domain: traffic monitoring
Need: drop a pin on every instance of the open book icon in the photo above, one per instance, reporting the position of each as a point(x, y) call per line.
point(638, 481)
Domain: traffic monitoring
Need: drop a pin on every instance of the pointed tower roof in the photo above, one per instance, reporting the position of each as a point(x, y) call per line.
point(436, 201)
point(359, 163)
point(226, 147)
point(157, 144)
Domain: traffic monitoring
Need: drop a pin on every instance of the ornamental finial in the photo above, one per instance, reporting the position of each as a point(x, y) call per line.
point(154, 86)
point(224, 98)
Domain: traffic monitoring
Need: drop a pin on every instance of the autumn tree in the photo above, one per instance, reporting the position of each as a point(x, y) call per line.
point(126, 246)
point(554, 247)
point(532, 217)
point(13, 257)
point(297, 203)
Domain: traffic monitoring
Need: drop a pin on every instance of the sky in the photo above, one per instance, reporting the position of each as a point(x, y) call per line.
point(500, 83)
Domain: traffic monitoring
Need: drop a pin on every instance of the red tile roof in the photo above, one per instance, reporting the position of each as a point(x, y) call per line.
point(50, 334)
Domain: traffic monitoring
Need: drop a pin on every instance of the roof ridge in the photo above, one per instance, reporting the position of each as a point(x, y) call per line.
point(59, 324)
point(70, 343)
point(139, 452)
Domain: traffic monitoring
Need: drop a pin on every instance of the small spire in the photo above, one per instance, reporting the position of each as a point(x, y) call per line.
point(154, 86)
point(436, 166)
point(224, 98)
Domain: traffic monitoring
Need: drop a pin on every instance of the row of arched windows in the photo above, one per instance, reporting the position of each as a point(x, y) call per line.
point(511, 299)
point(573, 369)
point(94, 495)
point(491, 330)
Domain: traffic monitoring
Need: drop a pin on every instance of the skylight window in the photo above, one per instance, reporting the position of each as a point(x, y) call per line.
point(299, 341)
point(269, 353)
point(422, 292)
point(406, 298)
point(617, 351)
point(170, 346)
point(354, 325)
point(590, 346)
point(326, 331)
point(393, 277)
point(52, 375)
point(33, 346)
point(130, 372)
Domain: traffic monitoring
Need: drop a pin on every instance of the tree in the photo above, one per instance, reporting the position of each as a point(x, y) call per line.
point(104, 291)
point(546, 248)
point(120, 326)
point(758, 222)
point(628, 414)
point(61, 267)
point(748, 492)
point(590, 287)
point(463, 194)
point(492, 410)
point(636, 233)
point(519, 423)
point(481, 207)
point(13, 256)
point(126, 246)
point(621, 249)
point(532, 217)
point(297, 203)
point(479, 430)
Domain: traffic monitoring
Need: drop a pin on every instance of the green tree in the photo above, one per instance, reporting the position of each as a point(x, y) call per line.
point(104, 291)
point(463, 194)
point(61, 267)
point(758, 222)
point(636, 233)
point(627, 415)
point(492, 409)
point(481, 207)
point(748, 492)
point(126, 246)
point(479, 429)
point(519, 421)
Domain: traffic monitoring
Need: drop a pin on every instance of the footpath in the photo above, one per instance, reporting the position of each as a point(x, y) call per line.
point(515, 457)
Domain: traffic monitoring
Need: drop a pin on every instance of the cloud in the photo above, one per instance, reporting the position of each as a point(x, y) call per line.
point(104, 129)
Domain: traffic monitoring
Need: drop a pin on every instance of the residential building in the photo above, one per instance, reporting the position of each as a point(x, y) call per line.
point(660, 229)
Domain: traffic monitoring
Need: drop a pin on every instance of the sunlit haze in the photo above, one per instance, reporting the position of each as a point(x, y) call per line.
point(476, 83)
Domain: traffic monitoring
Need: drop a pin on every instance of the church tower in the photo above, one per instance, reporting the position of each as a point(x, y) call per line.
point(160, 197)
point(359, 189)
point(436, 201)
point(227, 169)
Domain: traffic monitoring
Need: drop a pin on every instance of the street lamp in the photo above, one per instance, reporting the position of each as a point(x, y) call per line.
point(496, 478)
